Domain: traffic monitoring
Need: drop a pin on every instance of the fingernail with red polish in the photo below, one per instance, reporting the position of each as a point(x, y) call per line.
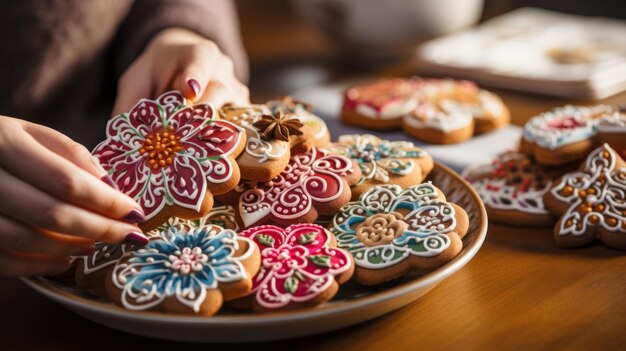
point(195, 86)
point(135, 216)
point(109, 181)
point(135, 238)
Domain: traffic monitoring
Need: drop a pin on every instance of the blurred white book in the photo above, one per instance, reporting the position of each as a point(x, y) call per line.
point(537, 51)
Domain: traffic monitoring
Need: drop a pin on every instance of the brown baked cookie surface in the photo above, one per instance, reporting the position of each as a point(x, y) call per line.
point(563, 134)
point(92, 270)
point(313, 184)
point(391, 232)
point(171, 158)
point(185, 271)
point(512, 188)
point(591, 202)
point(383, 161)
point(301, 267)
point(438, 111)
point(272, 137)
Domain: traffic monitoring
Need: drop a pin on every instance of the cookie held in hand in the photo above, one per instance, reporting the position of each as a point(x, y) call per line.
point(300, 267)
point(186, 271)
point(591, 202)
point(392, 231)
point(170, 158)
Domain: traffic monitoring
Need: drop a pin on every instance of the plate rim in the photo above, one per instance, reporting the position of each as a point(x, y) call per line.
point(48, 289)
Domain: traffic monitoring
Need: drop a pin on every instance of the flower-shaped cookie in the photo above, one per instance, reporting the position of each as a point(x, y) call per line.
point(563, 134)
point(91, 270)
point(170, 158)
point(304, 112)
point(383, 162)
point(591, 201)
point(313, 183)
point(300, 266)
point(512, 189)
point(190, 271)
point(271, 139)
point(391, 232)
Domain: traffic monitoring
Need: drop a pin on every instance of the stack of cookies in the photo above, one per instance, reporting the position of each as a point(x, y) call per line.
point(437, 111)
point(253, 208)
point(568, 173)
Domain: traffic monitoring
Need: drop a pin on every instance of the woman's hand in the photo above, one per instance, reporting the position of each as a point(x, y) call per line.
point(182, 60)
point(55, 202)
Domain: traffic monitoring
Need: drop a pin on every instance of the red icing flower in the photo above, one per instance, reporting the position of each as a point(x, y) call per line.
point(163, 153)
point(309, 182)
point(297, 264)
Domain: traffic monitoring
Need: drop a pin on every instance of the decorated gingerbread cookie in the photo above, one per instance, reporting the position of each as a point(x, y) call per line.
point(271, 137)
point(591, 202)
point(451, 111)
point(186, 271)
point(512, 188)
point(383, 162)
point(300, 267)
point(563, 134)
point(315, 183)
point(170, 158)
point(304, 112)
point(381, 104)
point(91, 270)
point(392, 231)
point(439, 111)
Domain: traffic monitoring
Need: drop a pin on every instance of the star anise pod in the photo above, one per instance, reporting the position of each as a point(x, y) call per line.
point(278, 126)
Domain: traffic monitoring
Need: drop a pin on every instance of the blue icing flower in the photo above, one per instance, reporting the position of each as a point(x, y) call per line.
point(184, 263)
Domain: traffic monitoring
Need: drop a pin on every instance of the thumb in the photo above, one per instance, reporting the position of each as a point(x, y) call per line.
point(135, 84)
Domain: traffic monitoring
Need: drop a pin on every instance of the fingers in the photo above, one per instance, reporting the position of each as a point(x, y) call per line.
point(62, 179)
point(30, 205)
point(136, 83)
point(17, 237)
point(15, 265)
point(66, 148)
point(197, 65)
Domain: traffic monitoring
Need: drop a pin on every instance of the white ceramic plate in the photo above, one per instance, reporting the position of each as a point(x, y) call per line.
point(353, 304)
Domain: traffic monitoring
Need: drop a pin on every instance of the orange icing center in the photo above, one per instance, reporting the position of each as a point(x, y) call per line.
point(161, 147)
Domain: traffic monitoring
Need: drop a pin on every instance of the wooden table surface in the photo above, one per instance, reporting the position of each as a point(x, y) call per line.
point(519, 292)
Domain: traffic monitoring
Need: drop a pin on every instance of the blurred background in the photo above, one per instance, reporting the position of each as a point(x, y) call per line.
point(293, 44)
